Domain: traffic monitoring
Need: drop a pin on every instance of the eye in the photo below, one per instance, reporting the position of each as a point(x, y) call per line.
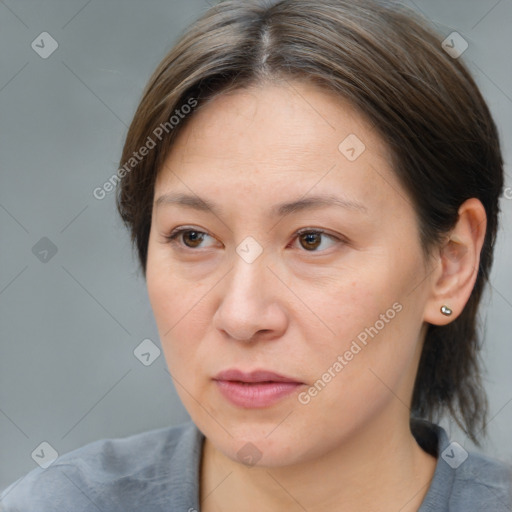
point(311, 240)
point(191, 238)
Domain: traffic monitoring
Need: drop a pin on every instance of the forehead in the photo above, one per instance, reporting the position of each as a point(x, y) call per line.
point(291, 137)
point(296, 117)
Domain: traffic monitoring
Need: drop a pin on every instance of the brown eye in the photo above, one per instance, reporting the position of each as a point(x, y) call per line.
point(311, 240)
point(192, 238)
point(188, 238)
point(316, 240)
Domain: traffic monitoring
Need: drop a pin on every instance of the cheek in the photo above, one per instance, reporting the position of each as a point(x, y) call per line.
point(177, 308)
point(368, 327)
point(340, 311)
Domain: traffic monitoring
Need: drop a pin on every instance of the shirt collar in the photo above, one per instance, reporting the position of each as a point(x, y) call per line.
point(185, 470)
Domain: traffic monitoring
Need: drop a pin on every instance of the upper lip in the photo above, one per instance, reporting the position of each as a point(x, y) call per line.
point(253, 376)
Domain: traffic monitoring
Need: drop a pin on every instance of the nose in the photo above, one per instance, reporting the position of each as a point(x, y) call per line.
point(251, 306)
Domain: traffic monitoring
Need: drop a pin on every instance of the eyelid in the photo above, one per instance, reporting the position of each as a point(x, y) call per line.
point(179, 229)
point(317, 230)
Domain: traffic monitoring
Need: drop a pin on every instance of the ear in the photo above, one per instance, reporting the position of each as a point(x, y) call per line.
point(456, 264)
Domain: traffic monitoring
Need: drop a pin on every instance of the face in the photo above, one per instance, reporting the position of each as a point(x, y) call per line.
point(329, 292)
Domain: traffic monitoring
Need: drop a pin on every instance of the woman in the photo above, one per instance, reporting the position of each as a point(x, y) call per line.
point(312, 188)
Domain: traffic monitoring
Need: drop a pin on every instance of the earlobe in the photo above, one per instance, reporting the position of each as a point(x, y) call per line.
point(457, 265)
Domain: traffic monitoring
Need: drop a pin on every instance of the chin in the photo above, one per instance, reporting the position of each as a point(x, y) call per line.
point(259, 444)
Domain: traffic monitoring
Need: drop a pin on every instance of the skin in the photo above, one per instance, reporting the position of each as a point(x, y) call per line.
point(300, 304)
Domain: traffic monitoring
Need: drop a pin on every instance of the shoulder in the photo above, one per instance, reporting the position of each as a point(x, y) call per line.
point(463, 481)
point(482, 482)
point(104, 474)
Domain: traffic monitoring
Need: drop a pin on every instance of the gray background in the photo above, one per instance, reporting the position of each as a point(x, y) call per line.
point(69, 326)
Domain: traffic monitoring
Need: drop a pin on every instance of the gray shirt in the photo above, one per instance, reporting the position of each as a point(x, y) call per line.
point(158, 470)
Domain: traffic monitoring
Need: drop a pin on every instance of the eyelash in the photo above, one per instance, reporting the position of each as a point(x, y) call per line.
point(175, 233)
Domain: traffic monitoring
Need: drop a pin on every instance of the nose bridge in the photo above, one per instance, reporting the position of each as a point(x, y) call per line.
point(249, 267)
point(246, 281)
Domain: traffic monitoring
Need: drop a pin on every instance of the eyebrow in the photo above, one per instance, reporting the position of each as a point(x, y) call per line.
point(307, 203)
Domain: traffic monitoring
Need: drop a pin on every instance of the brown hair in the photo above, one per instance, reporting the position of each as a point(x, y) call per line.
point(390, 65)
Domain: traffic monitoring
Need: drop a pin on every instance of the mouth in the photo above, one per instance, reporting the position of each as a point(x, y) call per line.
point(256, 376)
point(256, 389)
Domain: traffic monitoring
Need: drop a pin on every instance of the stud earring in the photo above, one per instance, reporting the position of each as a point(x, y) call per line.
point(446, 310)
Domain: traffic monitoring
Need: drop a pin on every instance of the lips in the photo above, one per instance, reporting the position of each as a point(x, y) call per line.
point(256, 389)
point(254, 376)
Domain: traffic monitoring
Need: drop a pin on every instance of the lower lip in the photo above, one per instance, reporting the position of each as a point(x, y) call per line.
point(261, 394)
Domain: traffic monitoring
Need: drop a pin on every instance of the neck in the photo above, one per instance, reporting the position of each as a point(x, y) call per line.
point(380, 468)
